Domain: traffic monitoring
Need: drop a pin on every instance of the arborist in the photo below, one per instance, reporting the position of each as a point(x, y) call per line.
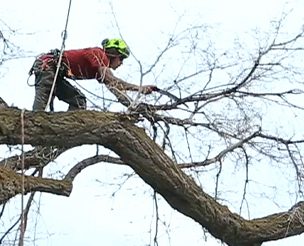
point(81, 64)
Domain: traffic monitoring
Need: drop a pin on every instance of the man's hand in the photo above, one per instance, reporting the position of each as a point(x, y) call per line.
point(148, 89)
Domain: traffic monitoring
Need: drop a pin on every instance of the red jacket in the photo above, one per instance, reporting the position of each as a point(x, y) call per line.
point(84, 63)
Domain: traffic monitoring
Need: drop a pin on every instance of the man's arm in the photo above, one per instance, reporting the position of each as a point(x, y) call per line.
point(110, 80)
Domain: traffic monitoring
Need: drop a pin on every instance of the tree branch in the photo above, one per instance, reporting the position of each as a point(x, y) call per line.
point(75, 170)
point(118, 133)
point(11, 185)
point(37, 157)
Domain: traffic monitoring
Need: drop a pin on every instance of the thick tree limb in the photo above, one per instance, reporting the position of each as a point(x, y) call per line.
point(11, 185)
point(118, 133)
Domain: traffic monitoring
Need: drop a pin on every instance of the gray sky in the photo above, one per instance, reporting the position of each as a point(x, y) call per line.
point(92, 215)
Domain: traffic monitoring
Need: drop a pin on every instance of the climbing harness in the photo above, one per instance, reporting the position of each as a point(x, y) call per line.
point(47, 60)
point(50, 61)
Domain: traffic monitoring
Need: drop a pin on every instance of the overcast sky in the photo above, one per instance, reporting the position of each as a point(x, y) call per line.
point(93, 215)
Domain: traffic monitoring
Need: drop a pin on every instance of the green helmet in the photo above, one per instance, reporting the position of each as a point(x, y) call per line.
point(117, 44)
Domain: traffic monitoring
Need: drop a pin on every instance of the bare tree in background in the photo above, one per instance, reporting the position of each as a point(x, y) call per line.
point(8, 50)
point(221, 121)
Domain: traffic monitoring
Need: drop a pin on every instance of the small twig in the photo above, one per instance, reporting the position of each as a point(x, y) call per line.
point(156, 218)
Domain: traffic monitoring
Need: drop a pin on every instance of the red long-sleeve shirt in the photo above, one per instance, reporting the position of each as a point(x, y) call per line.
point(84, 63)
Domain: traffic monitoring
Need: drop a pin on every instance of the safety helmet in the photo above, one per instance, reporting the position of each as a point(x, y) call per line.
point(117, 44)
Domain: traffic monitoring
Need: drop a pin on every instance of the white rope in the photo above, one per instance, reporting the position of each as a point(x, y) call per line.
point(22, 225)
point(64, 36)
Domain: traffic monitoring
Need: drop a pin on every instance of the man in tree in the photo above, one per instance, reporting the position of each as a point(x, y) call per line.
point(80, 64)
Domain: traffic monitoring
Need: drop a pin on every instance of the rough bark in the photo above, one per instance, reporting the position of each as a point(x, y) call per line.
point(11, 185)
point(119, 133)
point(37, 157)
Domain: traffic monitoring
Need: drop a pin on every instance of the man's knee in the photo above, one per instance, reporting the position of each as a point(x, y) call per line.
point(82, 102)
point(79, 102)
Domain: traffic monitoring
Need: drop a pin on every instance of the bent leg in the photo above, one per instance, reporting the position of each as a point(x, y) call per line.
point(43, 85)
point(71, 95)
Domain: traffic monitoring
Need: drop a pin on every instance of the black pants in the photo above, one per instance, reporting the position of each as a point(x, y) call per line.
point(64, 91)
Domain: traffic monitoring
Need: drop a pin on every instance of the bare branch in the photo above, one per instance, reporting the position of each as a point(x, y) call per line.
point(221, 154)
point(75, 170)
point(37, 157)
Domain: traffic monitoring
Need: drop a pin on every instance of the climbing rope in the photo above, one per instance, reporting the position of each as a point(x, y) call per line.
point(22, 218)
point(22, 223)
point(64, 37)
